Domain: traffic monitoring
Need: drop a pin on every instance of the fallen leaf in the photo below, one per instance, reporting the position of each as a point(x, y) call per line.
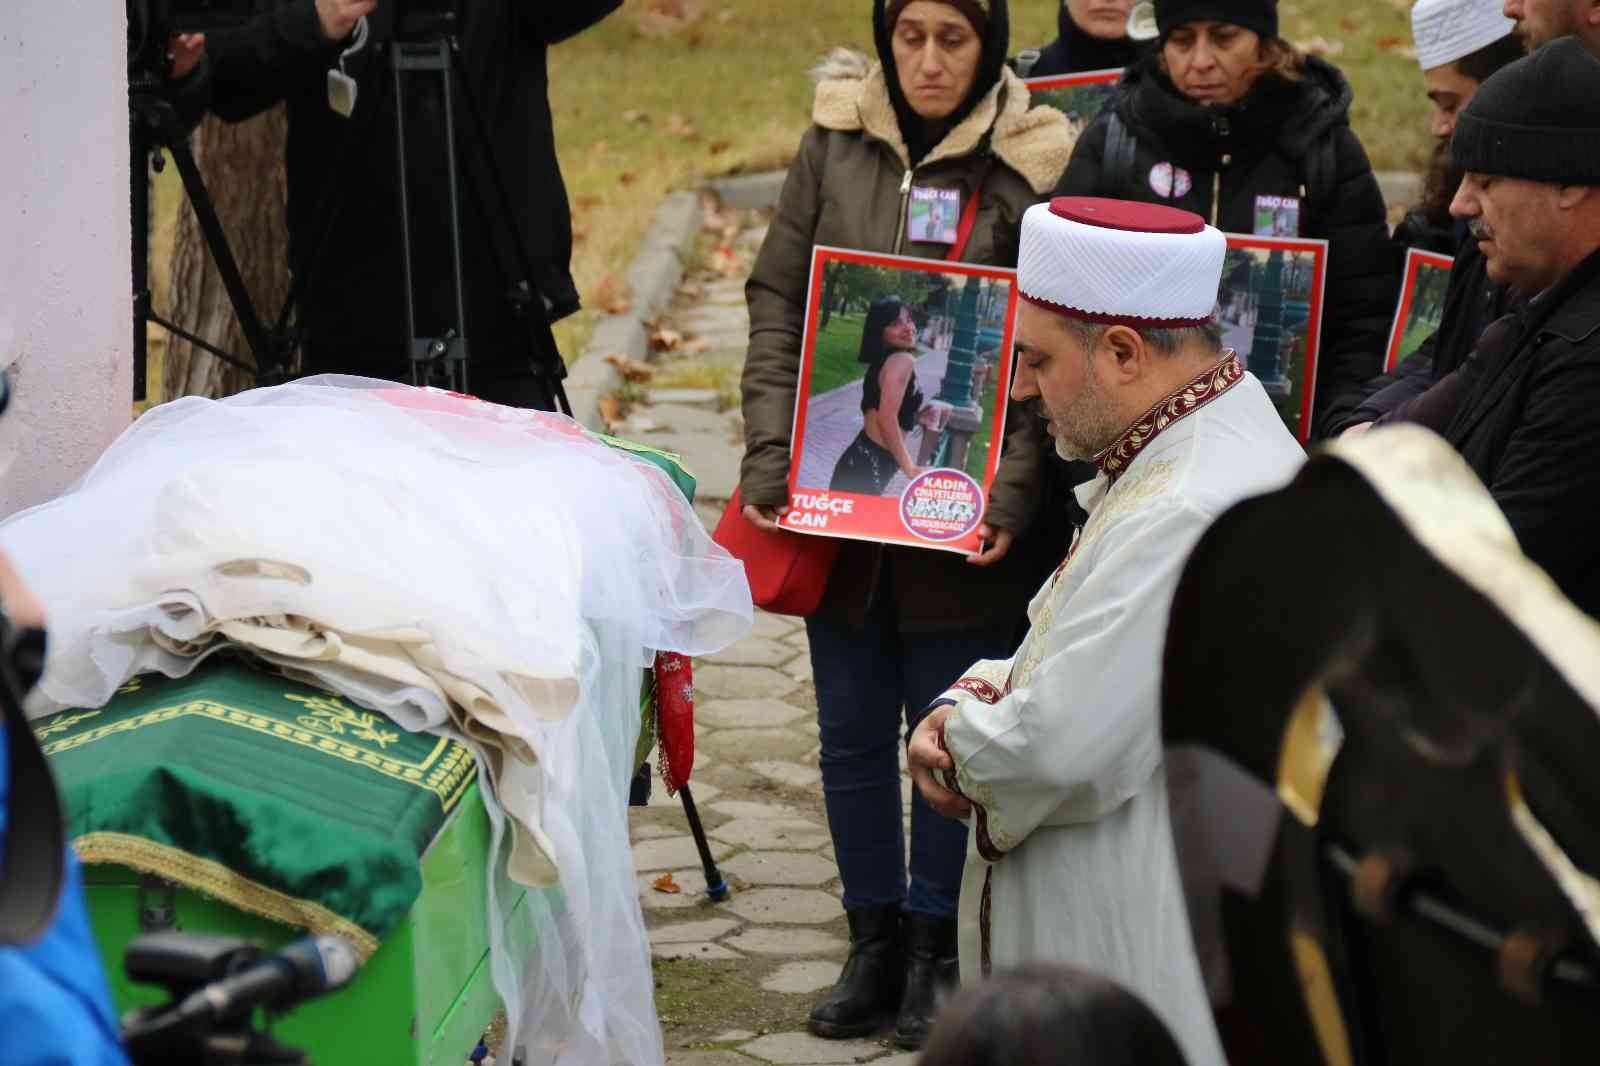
point(666, 884)
point(613, 296)
point(635, 115)
point(696, 346)
point(1389, 44)
point(1347, 25)
point(718, 147)
point(586, 202)
point(663, 18)
point(626, 178)
point(610, 410)
point(1320, 46)
point(630, 369)
point(679, 126)
point(600, 147)
point(665, 340)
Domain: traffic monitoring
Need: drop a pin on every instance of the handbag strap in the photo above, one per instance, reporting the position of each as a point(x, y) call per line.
point(33, 867)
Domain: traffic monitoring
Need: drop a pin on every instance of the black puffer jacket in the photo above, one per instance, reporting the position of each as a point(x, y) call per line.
point(1268, 144)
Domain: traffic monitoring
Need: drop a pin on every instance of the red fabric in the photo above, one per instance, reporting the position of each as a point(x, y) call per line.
point(788, 572)
point(969, 218)
point(1128, 215)
point(675, 718)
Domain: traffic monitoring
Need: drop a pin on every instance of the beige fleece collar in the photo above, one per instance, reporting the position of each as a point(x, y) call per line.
point(1035, 142)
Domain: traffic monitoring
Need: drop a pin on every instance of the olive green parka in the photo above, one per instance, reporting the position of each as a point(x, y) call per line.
point(847, 188)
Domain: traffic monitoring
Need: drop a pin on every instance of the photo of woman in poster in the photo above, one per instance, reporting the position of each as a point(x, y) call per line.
point(890, 402)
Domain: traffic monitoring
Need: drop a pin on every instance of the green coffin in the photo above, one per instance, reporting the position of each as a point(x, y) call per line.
point(235, 802)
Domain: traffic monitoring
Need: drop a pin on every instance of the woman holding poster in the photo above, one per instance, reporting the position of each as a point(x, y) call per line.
point(1230, 121)
point(890, 402)
point(939, 110)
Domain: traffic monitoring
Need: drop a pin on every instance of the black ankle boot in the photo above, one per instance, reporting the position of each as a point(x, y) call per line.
point(869, 985)
point(932, 973)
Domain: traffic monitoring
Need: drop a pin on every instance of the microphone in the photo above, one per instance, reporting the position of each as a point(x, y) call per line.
point(303, 970)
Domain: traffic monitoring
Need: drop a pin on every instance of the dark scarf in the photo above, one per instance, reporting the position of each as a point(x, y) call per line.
point(920, 135)
point(1087, 52)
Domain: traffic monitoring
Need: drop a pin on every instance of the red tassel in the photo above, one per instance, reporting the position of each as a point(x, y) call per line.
point(675, 718)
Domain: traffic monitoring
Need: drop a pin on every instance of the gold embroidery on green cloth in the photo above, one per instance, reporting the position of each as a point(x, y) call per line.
point(65, 723)
point(331, 716)
point(445, 772)
point(217, 880)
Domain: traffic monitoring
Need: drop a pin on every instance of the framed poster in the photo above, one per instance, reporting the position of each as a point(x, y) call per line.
point(1078, 96)
point(901, 406)
point(1417, 315)
point(1270, 307)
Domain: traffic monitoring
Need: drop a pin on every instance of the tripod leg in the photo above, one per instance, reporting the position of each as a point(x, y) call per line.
point(716, 887)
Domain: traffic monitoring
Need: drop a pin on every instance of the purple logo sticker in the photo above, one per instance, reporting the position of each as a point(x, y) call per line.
point(942, 505)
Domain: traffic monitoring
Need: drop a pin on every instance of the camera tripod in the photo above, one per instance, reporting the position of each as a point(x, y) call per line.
point(421, 47)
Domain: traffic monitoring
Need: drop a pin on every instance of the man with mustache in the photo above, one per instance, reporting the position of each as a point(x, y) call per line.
point(1542, 21)
point(1055, 754)
point(1524, 409)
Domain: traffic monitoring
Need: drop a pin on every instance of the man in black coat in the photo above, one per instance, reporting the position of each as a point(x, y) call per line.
point(352, 312)
point(1524, 410)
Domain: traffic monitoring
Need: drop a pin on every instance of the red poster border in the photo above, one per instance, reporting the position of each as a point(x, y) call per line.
point(1319, 249)
point(823, 254)
point(1108, 76)
point(1416, 259)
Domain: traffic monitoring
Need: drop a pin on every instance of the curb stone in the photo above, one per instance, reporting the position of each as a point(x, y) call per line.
point(653, 277)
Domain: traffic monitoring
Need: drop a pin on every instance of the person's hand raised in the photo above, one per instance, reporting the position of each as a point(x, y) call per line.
point(339, 17)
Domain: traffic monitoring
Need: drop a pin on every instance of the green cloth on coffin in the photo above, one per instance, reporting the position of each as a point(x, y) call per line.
point(274, 796)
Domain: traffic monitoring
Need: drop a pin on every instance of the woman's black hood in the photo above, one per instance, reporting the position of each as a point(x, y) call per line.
point(1277, 112)
point(921, 136)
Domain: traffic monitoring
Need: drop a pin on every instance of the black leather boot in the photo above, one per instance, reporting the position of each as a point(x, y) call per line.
point(869, 986)
point(932, 973)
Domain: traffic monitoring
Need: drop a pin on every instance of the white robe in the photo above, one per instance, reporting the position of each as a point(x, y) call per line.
point(1060, 748)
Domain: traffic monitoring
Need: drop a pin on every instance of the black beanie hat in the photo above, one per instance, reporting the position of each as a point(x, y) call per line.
point(1258, 15)
point(1538, 119)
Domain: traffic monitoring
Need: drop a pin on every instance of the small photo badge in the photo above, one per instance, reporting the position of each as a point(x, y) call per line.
point(1277, 216)
point(933, 215)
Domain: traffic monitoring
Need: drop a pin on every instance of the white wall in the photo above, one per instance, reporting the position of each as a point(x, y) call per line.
point(64, 240)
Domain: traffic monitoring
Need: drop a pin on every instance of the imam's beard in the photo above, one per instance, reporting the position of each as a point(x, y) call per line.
point(1087, 426)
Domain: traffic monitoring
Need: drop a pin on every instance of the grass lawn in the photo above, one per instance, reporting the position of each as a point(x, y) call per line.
point(835, 361)
point(1416, 332)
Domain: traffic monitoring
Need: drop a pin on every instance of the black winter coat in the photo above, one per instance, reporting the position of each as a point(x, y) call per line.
point(1530, 429)
point(1471, 302)
point(353, 315)
point(1262, 147)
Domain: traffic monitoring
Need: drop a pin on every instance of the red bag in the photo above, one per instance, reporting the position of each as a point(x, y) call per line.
point(675, 718)
point(788, 572)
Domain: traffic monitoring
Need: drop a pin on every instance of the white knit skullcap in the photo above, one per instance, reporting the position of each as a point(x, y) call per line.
point(1120, 262)
point(1448, 30)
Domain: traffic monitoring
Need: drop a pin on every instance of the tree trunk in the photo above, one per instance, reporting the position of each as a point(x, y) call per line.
point(243, 165)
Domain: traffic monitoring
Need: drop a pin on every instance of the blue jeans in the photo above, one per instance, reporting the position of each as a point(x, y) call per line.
point(865, 678)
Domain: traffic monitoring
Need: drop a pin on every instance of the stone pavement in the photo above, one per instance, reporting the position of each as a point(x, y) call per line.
point(735, 980)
